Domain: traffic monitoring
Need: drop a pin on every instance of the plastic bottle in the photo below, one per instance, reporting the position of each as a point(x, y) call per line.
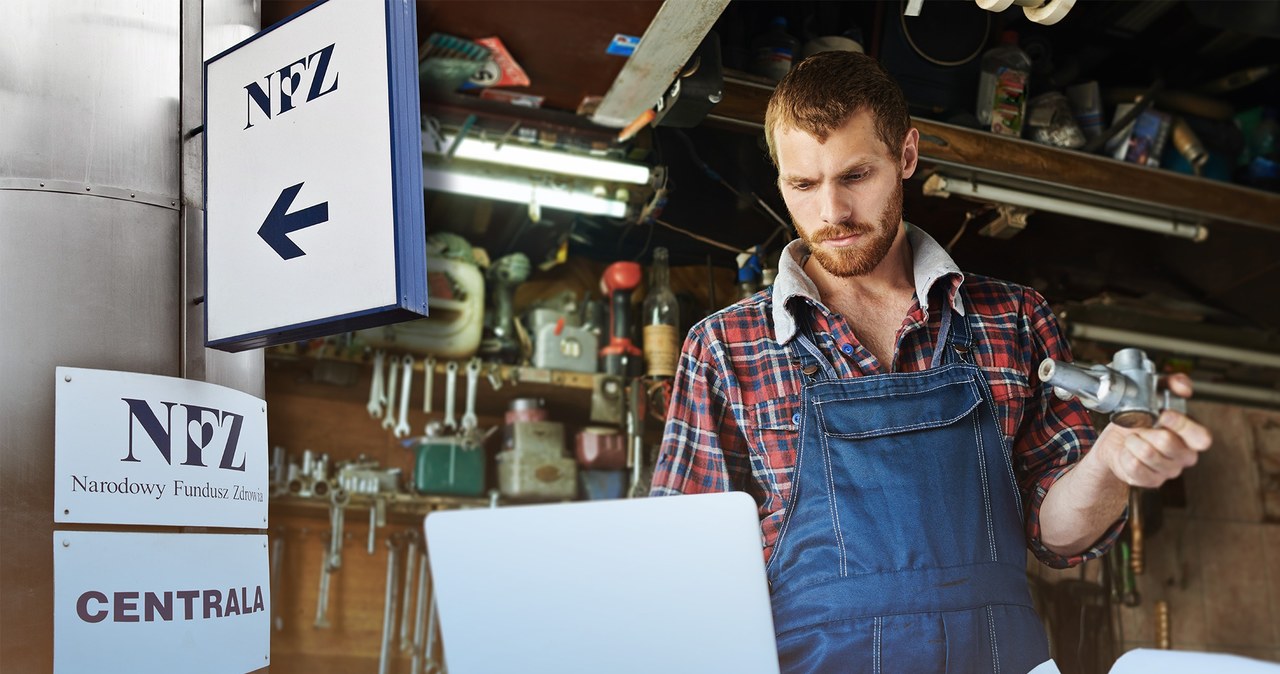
point(1002, 87)
point(661, 320)
point(772, 51)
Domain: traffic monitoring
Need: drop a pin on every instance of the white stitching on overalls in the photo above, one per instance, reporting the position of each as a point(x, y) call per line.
point(875, 649)
point(995, 647)
point(986, 489)
point(831, 501)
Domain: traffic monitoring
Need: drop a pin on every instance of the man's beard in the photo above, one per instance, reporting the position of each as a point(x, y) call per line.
point(864, 256)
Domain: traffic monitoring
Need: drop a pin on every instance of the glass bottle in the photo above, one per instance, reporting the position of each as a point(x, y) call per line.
point(661, 320)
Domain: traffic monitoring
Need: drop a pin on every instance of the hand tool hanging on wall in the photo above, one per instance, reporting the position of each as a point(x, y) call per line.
point(410, 556)
point(1126, 389)
point(277, 553)
point(450, 396)
point(376, 391)
point(406, 378)
point(470, 432)
point(420, 611)
point(393, 373)
point(620, 356)
point(429, 383)
point(389, 607)
point(333, 555)
point(506, 274)
point(1136, 532)
point(322, 595)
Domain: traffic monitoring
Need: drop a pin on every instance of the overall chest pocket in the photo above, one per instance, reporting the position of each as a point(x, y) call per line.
point(900, 411)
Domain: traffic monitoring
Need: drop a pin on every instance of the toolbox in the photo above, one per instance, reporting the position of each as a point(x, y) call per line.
point(449, 466)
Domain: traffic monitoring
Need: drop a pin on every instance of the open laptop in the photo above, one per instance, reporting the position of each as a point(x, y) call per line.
point(667, 584)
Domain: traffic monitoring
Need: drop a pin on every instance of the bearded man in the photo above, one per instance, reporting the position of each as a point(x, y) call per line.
point(882, 408)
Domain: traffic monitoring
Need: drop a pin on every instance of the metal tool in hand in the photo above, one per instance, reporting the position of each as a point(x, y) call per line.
point(450, 396)
point(1126, 389)
point(469, 421)
point(406, 378)
point(376, 391)
point(393, 372)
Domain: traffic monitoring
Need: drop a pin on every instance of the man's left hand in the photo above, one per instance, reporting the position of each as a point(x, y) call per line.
point(1149, 457)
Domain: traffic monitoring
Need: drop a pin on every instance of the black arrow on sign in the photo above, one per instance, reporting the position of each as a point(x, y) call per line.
point(276, 228)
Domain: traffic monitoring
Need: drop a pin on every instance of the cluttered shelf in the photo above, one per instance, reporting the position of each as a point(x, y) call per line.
point(1064, 173)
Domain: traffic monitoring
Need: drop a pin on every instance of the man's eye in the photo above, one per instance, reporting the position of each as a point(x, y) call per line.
point(801, 186)
point(854, 177)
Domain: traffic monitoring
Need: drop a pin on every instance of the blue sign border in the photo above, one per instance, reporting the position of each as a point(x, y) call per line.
point(400, 20)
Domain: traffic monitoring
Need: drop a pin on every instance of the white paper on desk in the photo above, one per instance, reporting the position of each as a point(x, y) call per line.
point(1046, 667)
point(1146, 660)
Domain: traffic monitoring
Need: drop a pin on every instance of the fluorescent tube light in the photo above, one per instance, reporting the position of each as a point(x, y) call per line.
point(550, 161)
point(943, 185)
point(1187, 347)
point(515, 189)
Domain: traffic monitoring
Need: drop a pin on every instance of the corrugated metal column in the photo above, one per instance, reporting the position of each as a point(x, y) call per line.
point(225, 22)
point(95, 184)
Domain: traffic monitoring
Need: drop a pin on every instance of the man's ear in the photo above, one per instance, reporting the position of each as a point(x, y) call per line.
point(910, 153)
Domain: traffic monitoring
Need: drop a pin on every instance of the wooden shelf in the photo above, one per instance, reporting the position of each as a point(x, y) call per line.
point(1043, 169)
point(399, 506)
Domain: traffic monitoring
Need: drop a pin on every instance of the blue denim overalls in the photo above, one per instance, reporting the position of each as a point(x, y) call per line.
point(903, 547)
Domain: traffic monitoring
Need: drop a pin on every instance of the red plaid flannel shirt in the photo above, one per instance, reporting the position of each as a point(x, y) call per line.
point(733, 419)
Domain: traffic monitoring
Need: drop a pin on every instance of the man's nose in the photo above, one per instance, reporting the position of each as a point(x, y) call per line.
point(837, 205)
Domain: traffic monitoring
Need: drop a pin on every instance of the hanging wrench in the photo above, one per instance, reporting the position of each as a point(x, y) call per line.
point(429, 385)
point(402, 428)
point(377, 518)
point(420, 611)
point(375, 387)
point(389, 608)
point(410, 556)
point(450, 395)
point(393, 372)
point(277, 552)
point(469, 416)
point(322, 596)
point(338, 500)
point(495, 376)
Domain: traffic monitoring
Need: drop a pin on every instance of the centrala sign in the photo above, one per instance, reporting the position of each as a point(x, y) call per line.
point(144, 449)
point(160, 602)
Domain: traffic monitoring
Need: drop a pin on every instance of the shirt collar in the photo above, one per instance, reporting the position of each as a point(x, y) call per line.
point(930, 260)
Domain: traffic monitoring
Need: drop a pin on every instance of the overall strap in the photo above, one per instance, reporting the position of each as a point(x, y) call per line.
point(957, 333)
point(804, 345)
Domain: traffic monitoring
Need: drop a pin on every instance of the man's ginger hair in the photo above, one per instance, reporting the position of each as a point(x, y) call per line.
point(823, 91)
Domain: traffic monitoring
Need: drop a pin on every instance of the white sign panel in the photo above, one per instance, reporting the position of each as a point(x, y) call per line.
point(144, 449)
point(125, 602)
point(313, 219)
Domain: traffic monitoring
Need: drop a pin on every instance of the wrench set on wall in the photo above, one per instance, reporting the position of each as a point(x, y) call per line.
point(391, 389)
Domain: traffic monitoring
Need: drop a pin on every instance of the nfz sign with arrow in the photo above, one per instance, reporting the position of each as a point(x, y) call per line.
point(313, 177)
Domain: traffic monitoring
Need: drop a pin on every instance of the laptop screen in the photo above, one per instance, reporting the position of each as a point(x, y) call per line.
point(671, 584)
